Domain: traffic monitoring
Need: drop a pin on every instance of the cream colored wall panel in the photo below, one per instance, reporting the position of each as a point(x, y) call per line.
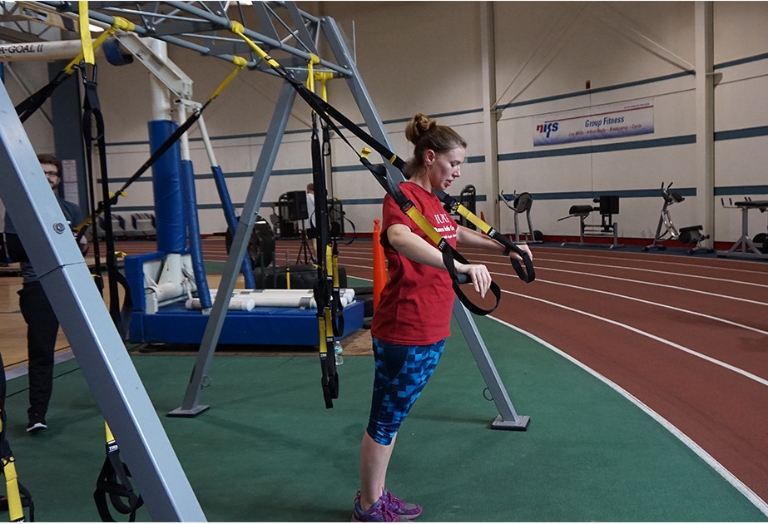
point(739, 30)
point(414, 56)
point(742, 104)
point(741, 162)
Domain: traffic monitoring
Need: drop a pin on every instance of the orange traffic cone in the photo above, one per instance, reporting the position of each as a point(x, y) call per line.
point(379, 264)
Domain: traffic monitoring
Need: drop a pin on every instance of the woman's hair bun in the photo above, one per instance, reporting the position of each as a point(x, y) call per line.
point(419, 125)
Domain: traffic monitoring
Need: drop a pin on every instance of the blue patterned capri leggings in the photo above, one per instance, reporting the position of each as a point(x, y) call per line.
point(401, 374)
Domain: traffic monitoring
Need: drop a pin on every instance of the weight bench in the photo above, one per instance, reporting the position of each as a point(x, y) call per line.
point(744, 247)
point(608, 206)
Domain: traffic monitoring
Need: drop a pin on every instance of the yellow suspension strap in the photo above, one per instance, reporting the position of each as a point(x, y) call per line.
point(336, 305)
point(114, 481)
point(26, 108)
point(17, 497)
point(326, 290)
point(328, 112)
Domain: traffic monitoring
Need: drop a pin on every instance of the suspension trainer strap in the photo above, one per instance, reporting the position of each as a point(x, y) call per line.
point(17, 496)
point(113, 481)
point(526, 275)
point(93, 120)
point(27, 107)
point(323, 289)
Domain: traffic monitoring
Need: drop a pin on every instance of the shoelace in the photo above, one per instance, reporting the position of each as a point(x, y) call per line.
point(388, 513)
point(392, 502)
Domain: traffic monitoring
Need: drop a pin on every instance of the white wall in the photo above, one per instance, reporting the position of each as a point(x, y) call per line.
point(425, 57)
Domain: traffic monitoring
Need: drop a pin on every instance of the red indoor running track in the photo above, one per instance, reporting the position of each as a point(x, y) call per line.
point(687, 336)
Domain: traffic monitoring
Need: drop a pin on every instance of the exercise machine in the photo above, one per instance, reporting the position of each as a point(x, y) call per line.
point(744, 247)
point(608, 205)
point(686, 235)
point(468, 199)
point(522, 204)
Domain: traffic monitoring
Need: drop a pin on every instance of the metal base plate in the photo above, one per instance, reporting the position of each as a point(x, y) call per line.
point(521, 424)
point(179, 412)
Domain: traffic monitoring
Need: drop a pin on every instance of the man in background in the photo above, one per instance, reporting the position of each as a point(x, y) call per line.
point(42, 324)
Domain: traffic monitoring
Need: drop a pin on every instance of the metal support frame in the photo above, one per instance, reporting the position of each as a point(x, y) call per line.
point(99, 350)
point(508, 417)
point(190, 405)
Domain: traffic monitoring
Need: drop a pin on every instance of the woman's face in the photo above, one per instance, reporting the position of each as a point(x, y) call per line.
point(444, 168)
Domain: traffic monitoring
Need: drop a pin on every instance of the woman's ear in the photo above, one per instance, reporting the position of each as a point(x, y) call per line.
point(429, 157)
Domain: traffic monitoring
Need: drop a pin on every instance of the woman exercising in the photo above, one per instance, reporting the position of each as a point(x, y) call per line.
point(413, 317)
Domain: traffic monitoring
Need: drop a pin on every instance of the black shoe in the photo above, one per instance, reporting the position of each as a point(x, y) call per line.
point(36, 423)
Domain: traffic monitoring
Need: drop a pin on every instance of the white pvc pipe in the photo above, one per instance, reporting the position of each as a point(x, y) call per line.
point(235, 303)
point(247, 299)
point(207, 141)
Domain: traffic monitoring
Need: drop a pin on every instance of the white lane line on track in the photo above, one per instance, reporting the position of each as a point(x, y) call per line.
point(678, 288)
point(742, 488)
point(684, 349)
point(537, 260)
point(684, 275)
point(657, 304)
point(642, 260)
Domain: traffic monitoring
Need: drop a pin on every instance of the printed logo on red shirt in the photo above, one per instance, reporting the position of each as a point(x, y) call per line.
point(442, 218)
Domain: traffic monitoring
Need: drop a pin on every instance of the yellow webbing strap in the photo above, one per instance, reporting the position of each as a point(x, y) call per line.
point(474, 219)
point(329, 260)
point(237, 28)
point(323, 77)
point(425, 226)
point(12, 493)
point(240, 62)
point(335, 269)
point(328, 327)
point(313, 59)
point(118, 23)
point(85, 32)
point(110, 436)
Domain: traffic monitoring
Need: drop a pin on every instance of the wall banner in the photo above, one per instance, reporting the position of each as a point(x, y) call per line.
point(594, 123)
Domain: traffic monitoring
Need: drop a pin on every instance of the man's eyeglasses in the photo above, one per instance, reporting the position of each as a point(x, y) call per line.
point(51, 173)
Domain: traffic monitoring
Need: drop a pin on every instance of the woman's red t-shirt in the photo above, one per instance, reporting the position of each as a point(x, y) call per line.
point(416, 304)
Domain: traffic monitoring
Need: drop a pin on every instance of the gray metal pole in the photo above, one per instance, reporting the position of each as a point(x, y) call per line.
point(190, 405)
point(508, 418)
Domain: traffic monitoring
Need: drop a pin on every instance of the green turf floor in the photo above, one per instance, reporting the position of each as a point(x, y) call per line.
point(268, 450)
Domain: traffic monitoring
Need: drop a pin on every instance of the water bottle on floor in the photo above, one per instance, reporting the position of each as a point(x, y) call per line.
point(338, 351)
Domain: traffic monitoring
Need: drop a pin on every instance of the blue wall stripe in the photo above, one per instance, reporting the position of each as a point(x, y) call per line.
point(755, 58)
point(748, 132)
point(602, 148)
point(597, 90)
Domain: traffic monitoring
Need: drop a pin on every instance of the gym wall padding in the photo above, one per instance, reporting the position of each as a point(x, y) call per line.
point(545, 53)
